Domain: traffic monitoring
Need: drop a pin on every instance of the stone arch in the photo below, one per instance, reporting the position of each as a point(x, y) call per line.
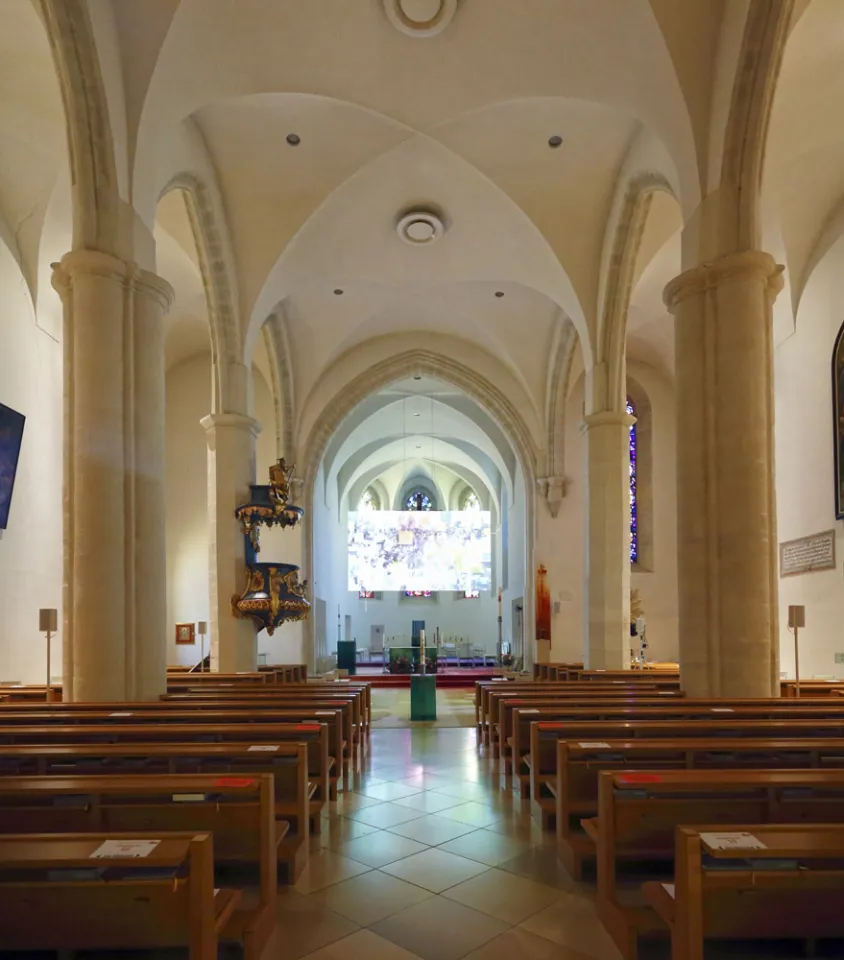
point(763, 44)
point(218, 279)
point(560, 361)
point(609, 390)
point(93, 170)
point(277, 342)
point(440, 367)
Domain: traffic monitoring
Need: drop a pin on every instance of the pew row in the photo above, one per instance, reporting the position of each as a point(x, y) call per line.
point(573, 795)
point(238, 812)
point(531, 753)
point(287, 764)
point(93, 902)
point(638, 813)
point(787, 888)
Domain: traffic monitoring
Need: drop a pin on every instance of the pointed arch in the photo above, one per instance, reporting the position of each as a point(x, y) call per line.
point(277, 342)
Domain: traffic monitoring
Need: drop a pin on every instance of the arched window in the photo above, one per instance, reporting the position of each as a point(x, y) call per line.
point(634, 533)
point(471, 501)
point(418, 500)
point(369, 500)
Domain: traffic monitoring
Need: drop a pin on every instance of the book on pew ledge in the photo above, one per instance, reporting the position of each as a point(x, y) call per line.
point(757, 865)
point(131, 849)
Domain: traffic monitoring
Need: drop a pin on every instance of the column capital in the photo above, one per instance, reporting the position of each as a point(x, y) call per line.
point(95, 263)
point(234, 421)
point(607, 418)
point(753, 265)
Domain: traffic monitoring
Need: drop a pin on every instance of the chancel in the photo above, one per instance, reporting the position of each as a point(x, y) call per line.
point(468, 377)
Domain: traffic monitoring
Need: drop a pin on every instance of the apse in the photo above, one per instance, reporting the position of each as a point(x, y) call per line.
point(419, 520)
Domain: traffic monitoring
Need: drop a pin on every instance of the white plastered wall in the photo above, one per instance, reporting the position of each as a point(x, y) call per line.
point(31, 547)
point(804, 465)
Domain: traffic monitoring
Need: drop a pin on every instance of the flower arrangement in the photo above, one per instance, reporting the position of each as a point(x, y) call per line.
point(400, 665)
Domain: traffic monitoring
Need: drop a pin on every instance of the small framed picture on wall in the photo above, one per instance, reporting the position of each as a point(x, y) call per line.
point(185, 633)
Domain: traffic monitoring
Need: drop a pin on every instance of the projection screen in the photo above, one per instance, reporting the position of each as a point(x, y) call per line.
point(420, 550)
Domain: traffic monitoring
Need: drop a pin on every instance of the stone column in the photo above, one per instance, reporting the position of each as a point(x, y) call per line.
point(231, 468)
point(607, 540)
point(726, 531)
point(114, 643)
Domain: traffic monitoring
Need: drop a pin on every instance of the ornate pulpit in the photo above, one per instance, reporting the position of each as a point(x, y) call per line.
point(273, 593)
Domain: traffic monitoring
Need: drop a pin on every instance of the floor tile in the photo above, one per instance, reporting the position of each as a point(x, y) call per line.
point(426, 781)
point(339, 830)
point(540, 863)
point(370, 897)
point(351, 801)
point(503, 895)
point(429, 802)
point(573, 922)
point(432, 829)
point(435, 870)
point(487, 847)
point(475, 814)
point(439, 929)
point(304, 927)
point(392, 790)
point(384, 815)
point(364, 943)
point(326, 867)
point(380, 848)
point(468, 790)
point(518, 944)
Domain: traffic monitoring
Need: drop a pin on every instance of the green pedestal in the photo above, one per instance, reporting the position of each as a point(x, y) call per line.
point(423, 697)
point(347, 656)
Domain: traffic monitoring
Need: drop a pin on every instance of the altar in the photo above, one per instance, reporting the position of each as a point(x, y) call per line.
point(408, 660)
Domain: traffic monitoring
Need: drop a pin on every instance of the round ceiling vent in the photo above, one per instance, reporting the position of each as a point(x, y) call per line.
point(420, 18)
point(420, 228)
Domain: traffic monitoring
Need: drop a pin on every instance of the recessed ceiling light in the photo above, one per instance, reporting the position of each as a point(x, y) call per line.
point(418, 446)
point(293, 139)
point(555, 141)
point(499, 293)
point(417, 414)
point(338, 292)
point(417, 377)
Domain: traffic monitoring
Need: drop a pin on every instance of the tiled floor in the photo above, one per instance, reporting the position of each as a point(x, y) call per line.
point(428, 858)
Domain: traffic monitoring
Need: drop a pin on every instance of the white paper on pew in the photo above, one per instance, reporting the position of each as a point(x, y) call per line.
point(664, 693)
point(188, 797)
point(262, 748)
point(594, 746)
point(131, 849)
point(323, 713)
point(121, 713)
point(523, 712)
point(669, 889)
point(723, 710)
point(216, 891)
point(499, 679)
point(731, 841)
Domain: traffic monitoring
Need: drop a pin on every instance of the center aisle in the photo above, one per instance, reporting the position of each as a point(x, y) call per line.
point(428, 858)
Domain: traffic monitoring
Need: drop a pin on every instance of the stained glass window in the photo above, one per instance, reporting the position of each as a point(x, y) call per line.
point(634, 530)
point(471, 501)
point(366, 594)
point(418, 501)
point(417, 593)
point(369, 500)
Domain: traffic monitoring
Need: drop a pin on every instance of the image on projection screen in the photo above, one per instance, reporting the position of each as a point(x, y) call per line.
point(420, 550)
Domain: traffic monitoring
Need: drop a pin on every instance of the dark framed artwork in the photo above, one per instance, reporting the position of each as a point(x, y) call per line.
point(838, 421)
point(185, 634)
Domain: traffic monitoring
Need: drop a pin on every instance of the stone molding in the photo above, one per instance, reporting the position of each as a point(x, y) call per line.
point(606, 418)
point(748, 264)
point(90, 146)
point(218, 281)
point(97, 264)
point(553, 489)
point(235, 421)
point(561, 358)
point(277, 341)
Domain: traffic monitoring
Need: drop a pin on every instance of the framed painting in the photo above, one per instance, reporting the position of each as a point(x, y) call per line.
point(838, 421)
point(185, 633)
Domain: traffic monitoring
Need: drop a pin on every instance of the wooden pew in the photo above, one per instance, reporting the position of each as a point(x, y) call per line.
point(287, 764)
point(518, 748)
point(540, 760)
point(181, 681)
point(666, 674)
point(811, 688)
point(574, 793)
point(790, 888)
point(638, 813)
point(165, 899)
point(291, 725)
point(489, 695)
point(239, 813)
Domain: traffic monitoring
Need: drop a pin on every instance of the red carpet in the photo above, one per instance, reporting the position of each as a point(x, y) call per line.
point(464, 677)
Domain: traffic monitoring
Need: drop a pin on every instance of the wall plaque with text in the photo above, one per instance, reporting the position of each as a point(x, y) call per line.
point(808, 554)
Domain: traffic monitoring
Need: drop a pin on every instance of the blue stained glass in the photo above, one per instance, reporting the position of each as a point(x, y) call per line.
point(634, 532)
point(418, 501)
